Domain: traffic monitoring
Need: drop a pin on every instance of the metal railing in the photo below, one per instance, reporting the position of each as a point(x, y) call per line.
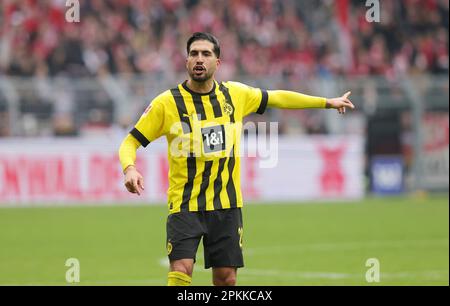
point(111, 100)
point(48, 107)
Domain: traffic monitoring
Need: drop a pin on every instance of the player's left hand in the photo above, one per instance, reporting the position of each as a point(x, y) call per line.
point(340, 103)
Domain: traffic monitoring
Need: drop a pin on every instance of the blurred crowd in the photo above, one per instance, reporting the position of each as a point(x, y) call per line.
point(284, 39)
point(258, 37)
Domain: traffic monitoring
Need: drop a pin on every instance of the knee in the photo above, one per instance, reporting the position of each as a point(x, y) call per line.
point(182, 266)
point(225, 280)
point(180, 273)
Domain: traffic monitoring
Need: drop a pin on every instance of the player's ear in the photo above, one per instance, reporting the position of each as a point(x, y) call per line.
point(218, 62)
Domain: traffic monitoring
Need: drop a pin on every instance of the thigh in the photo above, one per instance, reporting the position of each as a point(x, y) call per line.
point(184, 231)
point(223, 239)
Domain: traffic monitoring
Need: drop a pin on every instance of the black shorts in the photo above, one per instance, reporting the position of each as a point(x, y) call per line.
point(221, 231)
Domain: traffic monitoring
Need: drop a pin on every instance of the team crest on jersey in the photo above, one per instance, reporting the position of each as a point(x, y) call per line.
point(227, 108)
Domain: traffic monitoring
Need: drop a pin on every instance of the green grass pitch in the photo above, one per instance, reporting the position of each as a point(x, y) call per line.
point(284, 244)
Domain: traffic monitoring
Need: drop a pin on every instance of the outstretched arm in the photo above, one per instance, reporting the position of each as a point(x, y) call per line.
point(295, 100)
point(134, 182)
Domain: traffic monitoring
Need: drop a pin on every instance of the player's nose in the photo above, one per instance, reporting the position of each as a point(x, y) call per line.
point(199, 59)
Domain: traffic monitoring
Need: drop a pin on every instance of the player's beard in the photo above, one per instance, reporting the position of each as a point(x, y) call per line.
point(201, 78)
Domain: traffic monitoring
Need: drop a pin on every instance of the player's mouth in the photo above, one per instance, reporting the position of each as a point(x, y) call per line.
point(199, 69)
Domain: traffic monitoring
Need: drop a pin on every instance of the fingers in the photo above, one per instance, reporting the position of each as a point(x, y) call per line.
point(130, 187)
point(348, 103)
point(140, 184)
point(343, 102)
point(135, 185)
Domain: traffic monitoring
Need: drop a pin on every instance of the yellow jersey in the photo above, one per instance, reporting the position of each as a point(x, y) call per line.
point(203, 133)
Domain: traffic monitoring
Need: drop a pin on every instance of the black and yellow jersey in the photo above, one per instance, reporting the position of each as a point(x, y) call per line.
point(203, 134)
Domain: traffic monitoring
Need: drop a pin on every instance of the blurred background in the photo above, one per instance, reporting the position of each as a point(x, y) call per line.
point(70, 92)
point(96, 76)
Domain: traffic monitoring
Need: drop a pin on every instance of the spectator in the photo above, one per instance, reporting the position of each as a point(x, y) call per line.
point(262, 37)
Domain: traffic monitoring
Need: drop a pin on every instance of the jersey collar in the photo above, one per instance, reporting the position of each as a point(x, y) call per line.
point(197, 93)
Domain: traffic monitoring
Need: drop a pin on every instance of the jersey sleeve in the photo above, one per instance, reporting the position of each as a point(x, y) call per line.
point(254, 99)
point(152, 123)
point(127, 151)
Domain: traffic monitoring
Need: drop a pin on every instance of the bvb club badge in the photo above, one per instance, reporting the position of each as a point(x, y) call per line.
point(227, 108)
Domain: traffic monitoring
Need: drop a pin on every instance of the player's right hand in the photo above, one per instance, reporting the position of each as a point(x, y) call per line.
point(134, 182)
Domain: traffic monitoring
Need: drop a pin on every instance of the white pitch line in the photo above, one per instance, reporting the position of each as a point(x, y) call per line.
point(258, 272)
point(427, 274)
point(337, 275)
point(96, 282)
point(297, 274)
point(349, 245)
point(246, 273)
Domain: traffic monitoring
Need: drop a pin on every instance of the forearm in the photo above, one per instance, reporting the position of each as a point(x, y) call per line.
point(293, 100)
point(127, 151)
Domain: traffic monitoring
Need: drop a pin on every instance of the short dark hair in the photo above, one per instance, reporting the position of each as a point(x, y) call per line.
point(204, 36)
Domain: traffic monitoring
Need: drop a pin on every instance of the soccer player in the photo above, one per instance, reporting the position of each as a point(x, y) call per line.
point(200, 119)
